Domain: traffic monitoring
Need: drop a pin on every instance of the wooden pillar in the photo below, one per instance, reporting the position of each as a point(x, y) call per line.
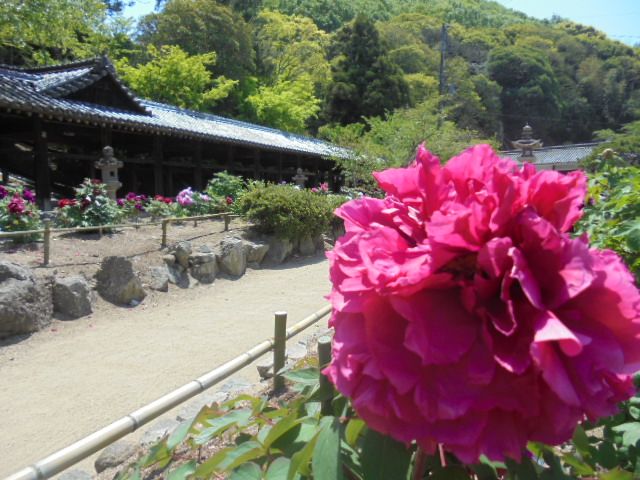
point(256, 164)
point(169, 180)
point(5, 176)
point(197, 166)
point(231, 156)
point(158, 181)
point(42, 173)
point(280, 178)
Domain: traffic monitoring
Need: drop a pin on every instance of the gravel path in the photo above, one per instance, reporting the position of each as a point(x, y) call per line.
point(76, 377)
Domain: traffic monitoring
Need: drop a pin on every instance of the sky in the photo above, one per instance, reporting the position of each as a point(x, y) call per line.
point(619, 19)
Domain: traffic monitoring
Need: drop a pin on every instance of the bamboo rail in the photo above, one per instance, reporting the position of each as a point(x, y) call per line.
point(68, 456)
point(47, 230)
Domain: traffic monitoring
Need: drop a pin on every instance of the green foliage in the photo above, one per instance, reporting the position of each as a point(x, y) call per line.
point(18, 212)
point(172, 76)
point(287, 105)
point(366, 82)
point(224, 185)
point(286, 211)
point(612, 213)
point(91, 207)
point(274, 440)
point(389, 142)
point(44, 31)
point(200, 27)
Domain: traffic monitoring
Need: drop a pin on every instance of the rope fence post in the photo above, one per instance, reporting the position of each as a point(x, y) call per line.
point(165, 223)
point(47, 241)
point(326, 388)
point(279, 349)
point(227, 220)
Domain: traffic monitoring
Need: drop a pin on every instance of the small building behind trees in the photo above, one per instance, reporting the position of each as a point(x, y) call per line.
point(55, 121)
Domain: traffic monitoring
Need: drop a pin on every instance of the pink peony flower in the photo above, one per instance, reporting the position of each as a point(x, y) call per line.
point(185, 197)
point(229, 200)
point(465, 314)
point(29, 196)
point(16, 206)
point(3, 192)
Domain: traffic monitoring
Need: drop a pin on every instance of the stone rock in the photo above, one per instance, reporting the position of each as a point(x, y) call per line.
point(191, 409)
point(205, 249)
point(26, 305)
point(72, 297)
point(279, 250)
point(265, 367)
point(179, 276)
point(117, 282)
point(181, 251)
point(307, 246)
point(75, 474)
point(160, 429)
point(233, 258)
point(159, 278)
point(115, 454)
point(255, 251)
point(296, 351)
point(235, 386)
point(204, 267)
point(169, 259)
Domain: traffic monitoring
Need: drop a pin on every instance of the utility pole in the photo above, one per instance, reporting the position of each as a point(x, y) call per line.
point(444, 46)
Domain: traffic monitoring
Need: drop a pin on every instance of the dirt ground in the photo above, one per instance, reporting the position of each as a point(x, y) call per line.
point(75, 377)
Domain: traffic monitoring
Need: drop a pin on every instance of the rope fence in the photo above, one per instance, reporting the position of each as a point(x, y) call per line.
point(47, 231)
point(83, 448)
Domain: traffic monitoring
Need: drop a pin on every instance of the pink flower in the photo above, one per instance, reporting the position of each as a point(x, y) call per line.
point(29, 196)
point(315, 190)
point(229, 200)
point(185, 197)
point(3, 192)
point(324, 187)
point(16, 206)
point(465, 314)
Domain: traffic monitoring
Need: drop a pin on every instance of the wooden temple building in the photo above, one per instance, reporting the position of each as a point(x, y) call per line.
point(55, 121)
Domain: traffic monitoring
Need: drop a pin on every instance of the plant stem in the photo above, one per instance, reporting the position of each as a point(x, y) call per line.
point(420, 464)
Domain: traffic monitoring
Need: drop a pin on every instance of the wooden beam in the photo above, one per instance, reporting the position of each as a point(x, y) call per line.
point(42, 174)
point(158, 180)
point(197, 163)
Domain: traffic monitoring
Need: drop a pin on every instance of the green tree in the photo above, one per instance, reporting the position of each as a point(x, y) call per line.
point(289, 47)
point(48, 31)
point(366, 82)
point(174, 77)
point(287, 105)
point(203, 26)
point(530, 90)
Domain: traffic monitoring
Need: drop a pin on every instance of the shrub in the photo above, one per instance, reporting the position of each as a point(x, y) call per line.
point(132, 205)
point(286, 211)
point(18, 212)
point(160, 206)
point(90, 207)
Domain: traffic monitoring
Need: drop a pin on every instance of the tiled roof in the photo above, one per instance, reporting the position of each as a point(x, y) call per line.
point(42, 91)
point(562, 157)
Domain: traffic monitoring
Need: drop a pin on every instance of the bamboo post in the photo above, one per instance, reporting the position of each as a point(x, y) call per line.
point(326, 389)
point(165, 223)
point(47, 241)
point(227, 220)
point(279, 349)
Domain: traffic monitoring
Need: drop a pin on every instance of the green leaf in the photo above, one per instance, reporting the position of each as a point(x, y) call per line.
point(178, 435)
point(630, 432)
point(454, 472)
point(210, 465)
point(581, 441)
point(606, 455)
point(280, 428)
point(383, 458)
point(326, 462)
point(353, 430)
point(616, 474)
point(183, 471)
point(579, 466)
point(300, 460)
point(246, 471)
point(278, 469)
point(220, 424)
point(305, 376)
point(242, 453)
point(524, 470)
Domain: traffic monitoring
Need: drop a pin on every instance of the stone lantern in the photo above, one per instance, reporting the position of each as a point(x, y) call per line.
point(108, 166)
point(527, 144)
point(300, 178)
